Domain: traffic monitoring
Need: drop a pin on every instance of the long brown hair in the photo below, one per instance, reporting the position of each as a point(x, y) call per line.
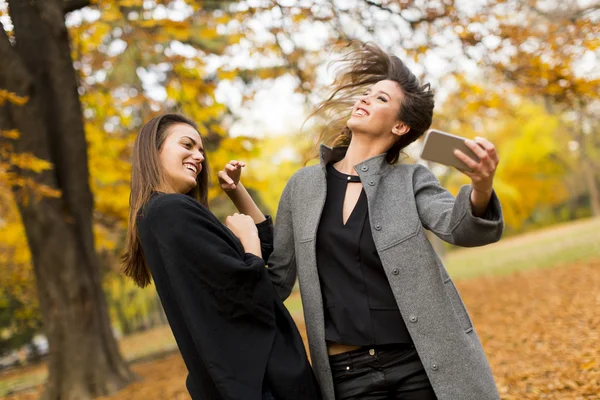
point(147, 177)
point(360, 68)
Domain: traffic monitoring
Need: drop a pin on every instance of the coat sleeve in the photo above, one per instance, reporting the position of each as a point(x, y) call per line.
point(265, 234)
point(194, 243)
point(282, 262)
point(452, 219)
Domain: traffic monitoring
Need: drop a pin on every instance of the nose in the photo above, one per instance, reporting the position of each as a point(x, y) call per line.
point(198, 156)
point(365, 99)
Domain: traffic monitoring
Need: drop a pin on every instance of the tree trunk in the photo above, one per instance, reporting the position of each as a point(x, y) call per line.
point(84, 360)
point(592, 187)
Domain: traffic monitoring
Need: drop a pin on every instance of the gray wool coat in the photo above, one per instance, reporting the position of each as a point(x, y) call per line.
point(404, 200)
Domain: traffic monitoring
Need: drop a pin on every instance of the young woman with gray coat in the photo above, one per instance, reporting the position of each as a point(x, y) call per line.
point(384, 319)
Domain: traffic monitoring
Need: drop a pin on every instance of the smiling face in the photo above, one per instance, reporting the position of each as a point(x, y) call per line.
point(376, 112)
point(181, 157)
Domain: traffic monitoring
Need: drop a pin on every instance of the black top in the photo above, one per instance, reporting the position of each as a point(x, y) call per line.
point(232, 329)
point(360, 308)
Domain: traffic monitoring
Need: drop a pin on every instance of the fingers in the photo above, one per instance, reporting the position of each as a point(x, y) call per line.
point(236, 164)
point(239, 220)
point(489, 148)
point(486, 152)
point(466, 159)
point(225, 181)
point(477, 149)
point(225, 178)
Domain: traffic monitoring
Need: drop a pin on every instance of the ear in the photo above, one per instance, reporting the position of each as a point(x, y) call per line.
point(400, 129)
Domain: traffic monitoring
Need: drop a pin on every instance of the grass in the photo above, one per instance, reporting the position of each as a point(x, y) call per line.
point(133, 348)
point(558, 245)
point(22, 378)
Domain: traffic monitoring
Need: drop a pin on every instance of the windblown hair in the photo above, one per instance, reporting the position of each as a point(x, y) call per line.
point(360, 68)
point(147, 176)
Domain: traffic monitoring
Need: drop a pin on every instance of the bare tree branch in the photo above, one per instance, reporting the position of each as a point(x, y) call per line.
point(560, 13)
point(72, 5)
point(412, 23)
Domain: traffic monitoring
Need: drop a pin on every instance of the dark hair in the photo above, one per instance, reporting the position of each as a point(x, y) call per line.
point(147, 177)
point(363, 67)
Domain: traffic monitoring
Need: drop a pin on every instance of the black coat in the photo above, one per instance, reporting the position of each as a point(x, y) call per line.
point(232, 329)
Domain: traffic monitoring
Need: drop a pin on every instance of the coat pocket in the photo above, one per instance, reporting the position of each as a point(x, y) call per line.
point(458, 305)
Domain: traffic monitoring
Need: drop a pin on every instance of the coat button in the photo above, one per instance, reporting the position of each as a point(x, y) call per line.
point(371, 352)
point(377, 227)
point(413, 318)
point(371, 183)
point(395, 271)
point(434, 366)
point(364, 168)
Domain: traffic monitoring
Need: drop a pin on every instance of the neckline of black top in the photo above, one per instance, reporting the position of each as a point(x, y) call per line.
point(340, 175)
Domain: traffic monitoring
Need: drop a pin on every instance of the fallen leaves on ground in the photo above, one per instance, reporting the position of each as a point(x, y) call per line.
point(540, 330)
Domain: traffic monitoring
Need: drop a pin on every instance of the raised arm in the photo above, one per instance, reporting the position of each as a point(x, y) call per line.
point(452, 219)
point(229, 179)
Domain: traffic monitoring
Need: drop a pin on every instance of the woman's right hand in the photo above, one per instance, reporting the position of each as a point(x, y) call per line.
point(229, 177)
point(244, 228)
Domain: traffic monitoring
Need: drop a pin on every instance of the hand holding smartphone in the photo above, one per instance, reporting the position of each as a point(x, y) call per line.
point(439, 147)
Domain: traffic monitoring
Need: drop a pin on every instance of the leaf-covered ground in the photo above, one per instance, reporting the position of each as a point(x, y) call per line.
point(540, 330)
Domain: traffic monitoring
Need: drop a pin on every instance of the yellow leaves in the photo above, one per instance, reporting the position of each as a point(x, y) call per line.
point(10, 134)
point(208, 113)
point(208, 33)
point(110, 171)
point(299, 17)
point(177, 30)
point(227, 75)
point(111, 14)
point(235, 38)
point(11, 97)
point(593, 44)
point(222, 20)
point(530, 142)
point(131, 3)
point(28, 161)
point(148, 23)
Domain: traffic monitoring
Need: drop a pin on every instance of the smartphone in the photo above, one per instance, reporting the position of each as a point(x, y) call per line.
point(439, 147)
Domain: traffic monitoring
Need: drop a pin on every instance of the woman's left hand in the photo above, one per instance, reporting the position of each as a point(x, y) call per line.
point(482, 174)
point(229, 177)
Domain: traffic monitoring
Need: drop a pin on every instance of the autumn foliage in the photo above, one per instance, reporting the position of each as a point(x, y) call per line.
point(522, 73)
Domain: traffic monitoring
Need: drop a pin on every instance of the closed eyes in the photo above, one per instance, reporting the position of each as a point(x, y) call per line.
point(380, 98)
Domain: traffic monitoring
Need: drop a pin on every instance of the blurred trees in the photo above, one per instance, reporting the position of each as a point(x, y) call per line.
point(547, 53)
point(510, 70)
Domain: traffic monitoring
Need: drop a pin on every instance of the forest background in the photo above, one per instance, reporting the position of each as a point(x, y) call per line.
point(78, 78)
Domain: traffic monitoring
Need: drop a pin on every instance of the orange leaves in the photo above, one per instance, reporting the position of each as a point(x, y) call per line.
point(540, 331)
point(10, 134)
